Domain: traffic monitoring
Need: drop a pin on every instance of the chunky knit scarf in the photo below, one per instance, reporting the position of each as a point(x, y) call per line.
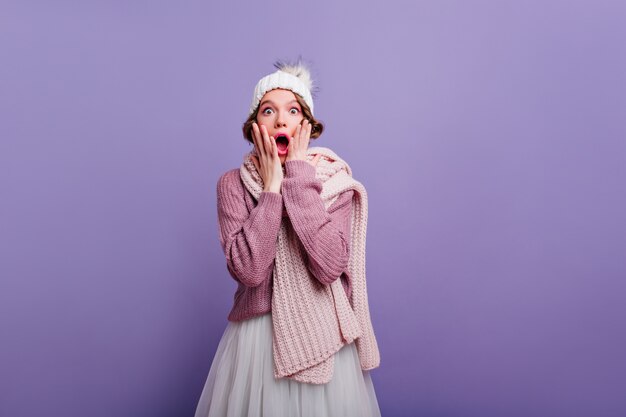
point(312, 321)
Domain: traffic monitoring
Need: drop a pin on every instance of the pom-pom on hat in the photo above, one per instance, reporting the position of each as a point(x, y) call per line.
point(295, 77)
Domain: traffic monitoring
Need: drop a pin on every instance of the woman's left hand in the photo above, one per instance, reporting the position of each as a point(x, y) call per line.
point(300, 143)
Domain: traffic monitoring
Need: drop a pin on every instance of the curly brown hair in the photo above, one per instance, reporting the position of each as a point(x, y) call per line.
point(317, 127)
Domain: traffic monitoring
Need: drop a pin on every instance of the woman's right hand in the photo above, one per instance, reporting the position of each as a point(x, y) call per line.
point(267, 161)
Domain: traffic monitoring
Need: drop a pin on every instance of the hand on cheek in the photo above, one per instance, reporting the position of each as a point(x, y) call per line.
point(300, 142)
point(266, 160)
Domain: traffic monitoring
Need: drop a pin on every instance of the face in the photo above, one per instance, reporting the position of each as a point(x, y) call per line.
point(280, 113)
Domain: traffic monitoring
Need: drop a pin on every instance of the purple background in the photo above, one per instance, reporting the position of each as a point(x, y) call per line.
point(490, 136)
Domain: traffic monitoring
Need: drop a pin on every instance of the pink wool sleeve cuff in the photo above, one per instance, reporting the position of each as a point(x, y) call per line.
point(298, 168)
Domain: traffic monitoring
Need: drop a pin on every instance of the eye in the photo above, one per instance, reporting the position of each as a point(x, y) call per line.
point(265, 111)
point(296, 110)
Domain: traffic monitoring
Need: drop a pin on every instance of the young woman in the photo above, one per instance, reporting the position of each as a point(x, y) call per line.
point(292, 221)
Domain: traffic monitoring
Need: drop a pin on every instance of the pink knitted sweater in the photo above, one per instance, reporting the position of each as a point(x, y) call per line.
point(249, 231)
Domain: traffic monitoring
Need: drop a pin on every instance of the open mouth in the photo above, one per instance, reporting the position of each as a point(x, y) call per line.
point(282, 142)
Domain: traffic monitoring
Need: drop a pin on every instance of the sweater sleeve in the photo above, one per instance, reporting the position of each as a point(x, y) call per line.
point(325, 235)
point(248, 238)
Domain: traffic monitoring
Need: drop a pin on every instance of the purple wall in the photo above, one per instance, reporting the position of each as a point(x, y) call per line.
point(490, 135)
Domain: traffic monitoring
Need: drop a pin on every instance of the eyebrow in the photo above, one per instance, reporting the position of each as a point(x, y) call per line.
point(273, 104)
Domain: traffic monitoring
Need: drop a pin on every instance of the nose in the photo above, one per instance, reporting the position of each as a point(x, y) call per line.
point(280, 120)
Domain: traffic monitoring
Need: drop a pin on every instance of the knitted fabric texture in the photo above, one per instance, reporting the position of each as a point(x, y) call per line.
point(312, 321)
point(281, 79)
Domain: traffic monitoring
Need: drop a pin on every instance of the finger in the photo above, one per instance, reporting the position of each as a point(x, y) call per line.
point(298, 129)
point(257, 138)
point(302, 128)
point(302, 142)
point(308, 134)
point(274, 147)
point(266, 141)
point(302, 137)
point(291, 146)
point(305, 128)
point(255, 130)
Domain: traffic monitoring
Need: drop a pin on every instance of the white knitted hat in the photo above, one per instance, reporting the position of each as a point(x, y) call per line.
point(295, 77)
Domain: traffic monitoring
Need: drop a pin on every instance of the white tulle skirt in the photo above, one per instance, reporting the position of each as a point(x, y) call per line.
point(241, 381)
